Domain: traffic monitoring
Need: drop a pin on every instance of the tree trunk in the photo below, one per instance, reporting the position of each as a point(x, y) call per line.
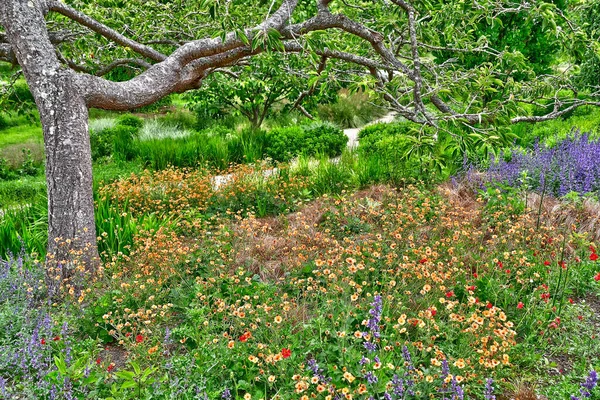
point(64, 116)
point(71, 225)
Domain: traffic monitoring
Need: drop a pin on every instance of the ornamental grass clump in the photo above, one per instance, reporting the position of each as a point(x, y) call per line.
point(570, 166)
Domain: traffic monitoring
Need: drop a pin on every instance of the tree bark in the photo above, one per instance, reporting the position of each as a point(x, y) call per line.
point(64, 116)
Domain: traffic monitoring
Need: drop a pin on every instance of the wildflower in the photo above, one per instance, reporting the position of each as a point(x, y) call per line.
point(56, 338)
point(597, 277)
point(226, 394)
point(286, 353)
point(349, 377)
point(489, 390)
point(245, 336)
point(110, 367)
point(520, 305)
point(593, 256)
point(98, 361)
point(587, 386)
point(546, 263)
point(449, 294)
point(43, 341)
point(371, 378)
point(247, 396)
point(278, 319)
point(139, 338)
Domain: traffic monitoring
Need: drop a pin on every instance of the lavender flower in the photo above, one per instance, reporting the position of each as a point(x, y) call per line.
point(371, 378)
point(226, 394)
point(489, 390)
point(572, 165)
point(587, 386)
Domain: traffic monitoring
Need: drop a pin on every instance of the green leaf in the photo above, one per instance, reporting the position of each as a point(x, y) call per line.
point(61, 365)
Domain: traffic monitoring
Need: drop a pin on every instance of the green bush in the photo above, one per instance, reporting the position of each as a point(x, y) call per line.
point(131, 120)
point(21, 191)
point(323, 138)
point(117, 141)
point(3, 122)
point(318, 138)
point(101, 143)
point(285, 143)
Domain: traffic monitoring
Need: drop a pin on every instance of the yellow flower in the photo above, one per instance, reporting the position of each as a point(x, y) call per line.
point(349, 377)
point(271, 378)
point(247, 396)
point(278, 319)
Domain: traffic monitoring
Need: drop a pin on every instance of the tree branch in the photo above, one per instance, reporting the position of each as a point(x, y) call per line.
point(107, 32)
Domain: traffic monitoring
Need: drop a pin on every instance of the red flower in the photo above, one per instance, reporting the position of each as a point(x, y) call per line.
point(475, 275)
point(423, 260)
point(139, 338)
point(507, 271)
point(472, 288)
point(43, 341)
point(128, 334)
point(597, 277)
point(571, 300)
point(433, 312)
point(500, 265)
point(546, 263)
point(593, 256)
point(563, 265)
point(489, 305)
point(520, 305)
point(286, 353)
point(449, 294)
point(245, 337)
point(110, 367)
point(56, 338)
point(98, 361)
point(580, 317)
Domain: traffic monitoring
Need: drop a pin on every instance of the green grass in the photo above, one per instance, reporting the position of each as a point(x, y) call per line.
point(21, 134)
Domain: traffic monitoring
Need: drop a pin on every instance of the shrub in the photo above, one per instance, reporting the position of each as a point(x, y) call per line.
point(318, 138)
point(323, 138)
point(6, 172)
point(284, 143)
point(3, 122)
point(131, 120)
point(117, 141)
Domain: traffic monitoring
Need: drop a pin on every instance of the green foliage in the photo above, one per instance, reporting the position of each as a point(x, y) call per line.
point(351, 110)
point(3, 122)
point(284, 143)
point(254, 90)
point(131, 120)
point(588, 15)
point(414, 152)
point(21, 191)
point(316, 138)
point(24, 226)
point(323, 138)
point(116, 140)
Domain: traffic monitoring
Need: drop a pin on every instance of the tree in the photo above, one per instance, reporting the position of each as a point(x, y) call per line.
point(255, 87)
point(64, 52)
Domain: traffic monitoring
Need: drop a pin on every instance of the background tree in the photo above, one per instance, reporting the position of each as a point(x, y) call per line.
point(65, 49)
